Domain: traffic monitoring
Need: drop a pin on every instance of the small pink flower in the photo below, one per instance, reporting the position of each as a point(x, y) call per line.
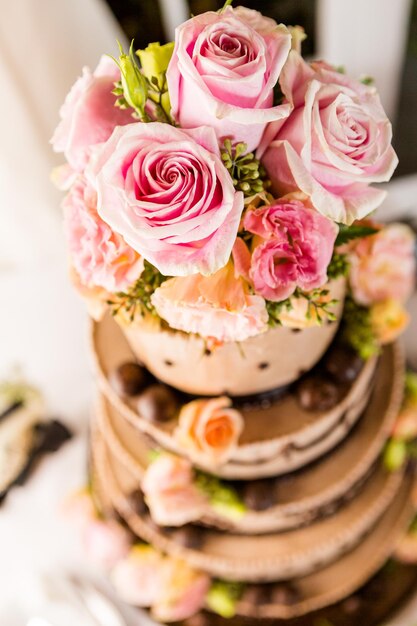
point(383, 266)
point(100, 257)
point(210, 428)
point(106, 542)
point(335, 142)
point(89, 114)
point(294, 246)
point(223, 72)
point(183, 593)
point(139, 578)
point(171, 494)
point(218, 306)
point(167, 192)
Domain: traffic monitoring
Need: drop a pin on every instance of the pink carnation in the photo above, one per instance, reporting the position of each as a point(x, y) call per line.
point(383, 266)
point(294, 248)
point(183, 593)
point(167, 192)
point(89, 114)
point(335, 142)
point(223, 72)
point(100, 257)
point(218, 306)
point(171, 494)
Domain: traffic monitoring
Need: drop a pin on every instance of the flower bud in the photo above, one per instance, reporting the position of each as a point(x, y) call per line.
point(155, 58)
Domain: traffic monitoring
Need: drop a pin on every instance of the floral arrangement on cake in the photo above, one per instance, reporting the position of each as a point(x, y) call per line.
point(219, 184)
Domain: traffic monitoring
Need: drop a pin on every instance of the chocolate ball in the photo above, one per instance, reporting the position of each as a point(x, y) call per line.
point(189, 536)
point(259, 495)
point(284, 593)
point(257, 594)
point(317, 394)
point(343, 364)
point(157, 404)
point(129, 379)
point(137, 502)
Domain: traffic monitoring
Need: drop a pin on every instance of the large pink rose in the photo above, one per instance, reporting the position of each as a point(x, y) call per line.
point(100, 257)
point(335, 142)
point(218, 306)
point(223, 71)
point(382, 267)
point(167, 192)
point(89, 114)
point(171, 494)
point(294, 248)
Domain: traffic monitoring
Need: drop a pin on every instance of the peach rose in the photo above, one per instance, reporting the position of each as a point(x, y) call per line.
point(210, 428)
point(218, 306)
point(389, 319)
point(89, 114)
point(382, 266)
point(335, 142)
point(138, 579)
point(223, 72)
point(172, 496)
point(100, 257)
point(183, 594)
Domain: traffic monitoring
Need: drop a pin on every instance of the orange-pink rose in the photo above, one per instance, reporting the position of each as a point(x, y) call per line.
point(211, 428)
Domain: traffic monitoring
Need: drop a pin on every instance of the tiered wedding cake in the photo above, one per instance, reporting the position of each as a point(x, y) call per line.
point(250, 439)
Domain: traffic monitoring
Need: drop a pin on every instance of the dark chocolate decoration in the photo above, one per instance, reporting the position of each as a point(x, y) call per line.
point(136, 501)
point(129, 379)
point(264, 365)
point(343, 364)
point(284, 593)
point(168, 363)
point(157, 404)
point(314, 393)
point(259, 495)
point(257, 594)
point(189, 536)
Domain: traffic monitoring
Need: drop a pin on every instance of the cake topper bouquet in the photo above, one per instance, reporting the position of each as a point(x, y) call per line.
point(221, 185)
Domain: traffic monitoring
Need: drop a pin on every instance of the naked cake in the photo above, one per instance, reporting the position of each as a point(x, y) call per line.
point(251, 439)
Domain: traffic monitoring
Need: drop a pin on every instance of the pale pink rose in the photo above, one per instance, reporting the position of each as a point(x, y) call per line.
point(89, 114)
point(167, 192)
point(105, 542)
point(218, 306)
point(223, 72)
point(334, 143)
point(294, 248)
point(139, 578)
point(382, 266)
point(183, 593)
point(210, 428)
point(171, 494)
point(100, 257)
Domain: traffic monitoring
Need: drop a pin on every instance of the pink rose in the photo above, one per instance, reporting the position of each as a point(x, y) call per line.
point(294, 248)
point(167, 192)
point(106, 542)
point(210, 428)
point(218, 306)
point(183, 593)
point(100, 257)
point(138, 579)
point(223, 72)
point(335, 142)
point(382, 267)
point(171, 494)
point(89, 114)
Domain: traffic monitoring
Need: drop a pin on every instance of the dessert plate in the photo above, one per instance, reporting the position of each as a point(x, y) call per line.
point(277, 438)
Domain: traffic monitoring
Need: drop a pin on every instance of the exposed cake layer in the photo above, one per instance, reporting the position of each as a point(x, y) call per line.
point(279, 436)
point(385, 505)
point(274, 358)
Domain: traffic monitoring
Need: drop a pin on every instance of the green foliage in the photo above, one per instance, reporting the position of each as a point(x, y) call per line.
point(357, 329)
point(223, 596)
point(132, 89)
point(319, 307)
point(223, 499)
point(355, 231)
point(137, 299)
point(338, 266)
point(246, 170)
point(395, 454)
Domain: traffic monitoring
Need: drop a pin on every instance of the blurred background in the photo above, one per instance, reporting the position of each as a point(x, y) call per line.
point(43, 324)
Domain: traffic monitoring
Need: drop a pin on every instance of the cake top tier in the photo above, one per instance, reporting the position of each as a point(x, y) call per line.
point(218, 182)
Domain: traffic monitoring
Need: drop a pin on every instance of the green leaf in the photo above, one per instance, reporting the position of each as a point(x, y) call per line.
point(355, 231)
point(395, 454)
point(223, 597)
point(223, 499)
